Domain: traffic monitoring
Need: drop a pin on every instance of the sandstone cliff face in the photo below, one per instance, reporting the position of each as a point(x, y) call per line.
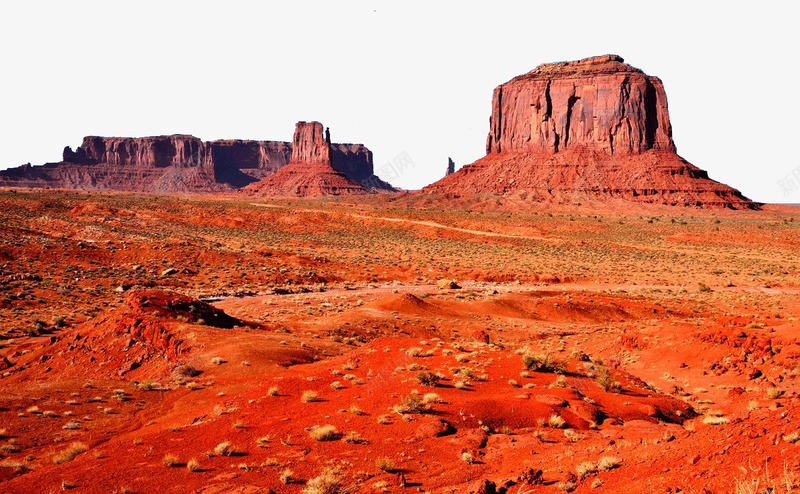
point(598, 103)
point(310, 144)
point(311, 171)
point(355, 161)
point(184, 163)
point(583, 131)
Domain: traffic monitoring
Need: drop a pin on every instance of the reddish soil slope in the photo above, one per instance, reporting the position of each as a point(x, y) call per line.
point(237, 345)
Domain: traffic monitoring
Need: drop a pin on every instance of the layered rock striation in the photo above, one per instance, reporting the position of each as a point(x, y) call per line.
point(177, 163)
point(316, 168)
point(595, 128)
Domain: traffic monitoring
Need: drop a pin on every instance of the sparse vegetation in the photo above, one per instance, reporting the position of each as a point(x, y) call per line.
point(324, 433)
point(309, 396)
point(715, 420)
point(327, 483)
point(224, 448)
point(773, 393)
point(169, 460)
point(606, 381)
point(287, 476)
point(542, 362)
point(70, 453)
point(430, 398)
point(556, 422)
point(585, 469)
point(385, 464)
point(427, 378)
point(354, 438)
point(411, 404)
point(608, 463)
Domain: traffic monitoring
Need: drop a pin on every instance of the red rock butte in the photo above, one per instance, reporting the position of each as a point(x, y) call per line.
point(181, 163)
point(311, 171)
point(591, 129)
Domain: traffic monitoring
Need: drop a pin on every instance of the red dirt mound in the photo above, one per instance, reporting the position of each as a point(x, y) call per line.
point(143, 336)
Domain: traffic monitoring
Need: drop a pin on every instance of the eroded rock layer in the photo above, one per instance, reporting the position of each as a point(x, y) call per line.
point(594, 128)
point(311, 170)
point(178, 163)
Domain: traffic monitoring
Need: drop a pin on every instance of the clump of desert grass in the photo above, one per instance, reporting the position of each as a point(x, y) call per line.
point(170, 460)
point(309, 396)
point(224, 448)
point(542, 362)
point(70, 453)
point(427, 378)
point(324, 433)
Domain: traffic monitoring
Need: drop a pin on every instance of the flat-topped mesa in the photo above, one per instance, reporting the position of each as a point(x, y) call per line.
point(598, 103)
point(145, 152)
point(585, 132)
point(184, 163)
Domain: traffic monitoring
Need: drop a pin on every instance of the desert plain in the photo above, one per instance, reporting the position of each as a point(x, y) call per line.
point(395, 343)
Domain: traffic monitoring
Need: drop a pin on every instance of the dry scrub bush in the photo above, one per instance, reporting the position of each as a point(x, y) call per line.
point(774, 393)
point(542, 362)
point(70, 453)
point(431, 398)
point(354, 438)
point(286, 476)
point(324, 433)
point(585, 469)
point(606, 381)
point(169, 460)
point(410, 404)
point(608, 462)
point(427, 378)
point(715, 420)
point(193, 465)
point(223, 449)
point(385, 464)
point(309, 396)
point(327, 483)
point(792, 437)
point(556, 422)
point(567, 486)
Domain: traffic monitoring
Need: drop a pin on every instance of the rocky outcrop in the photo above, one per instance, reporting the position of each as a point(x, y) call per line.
point(312, 170)
point(598, 103)
point(310, 144)
point(180, 163)
point(592, 129)
point(451, 167)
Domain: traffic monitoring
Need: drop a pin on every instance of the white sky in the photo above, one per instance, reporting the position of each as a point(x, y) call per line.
point(413, 77)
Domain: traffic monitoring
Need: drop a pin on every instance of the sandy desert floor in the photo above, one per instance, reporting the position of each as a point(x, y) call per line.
point(217, 345)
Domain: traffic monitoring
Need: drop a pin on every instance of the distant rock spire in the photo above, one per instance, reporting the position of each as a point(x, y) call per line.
point(451, 167)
